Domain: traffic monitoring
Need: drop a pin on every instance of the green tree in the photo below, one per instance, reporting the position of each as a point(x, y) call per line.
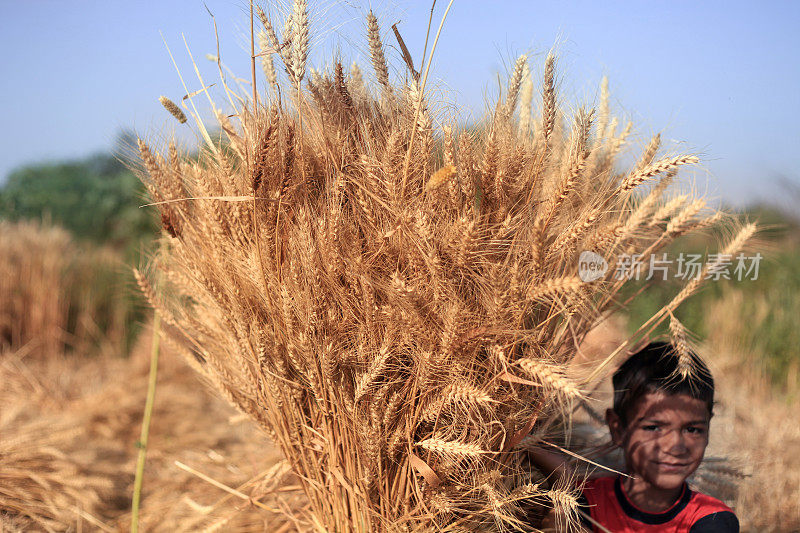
point(96, 198)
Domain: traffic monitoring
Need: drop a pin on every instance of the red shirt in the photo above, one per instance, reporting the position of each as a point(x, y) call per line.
point(694, 512)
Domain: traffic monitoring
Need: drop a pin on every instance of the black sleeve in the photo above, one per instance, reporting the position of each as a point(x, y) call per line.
point(585, 513)
point(722, 522)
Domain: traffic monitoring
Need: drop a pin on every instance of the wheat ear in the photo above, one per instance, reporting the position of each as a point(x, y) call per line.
point(173, 109)
point(376, 52)
point(680, 344)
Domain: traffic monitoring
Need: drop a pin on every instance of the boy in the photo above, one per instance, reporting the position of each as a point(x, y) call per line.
point(660, 420)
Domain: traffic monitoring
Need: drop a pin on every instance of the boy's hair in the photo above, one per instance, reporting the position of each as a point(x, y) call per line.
point(655, 368)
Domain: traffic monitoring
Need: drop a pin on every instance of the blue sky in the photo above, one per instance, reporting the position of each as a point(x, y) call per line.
point(720, 78)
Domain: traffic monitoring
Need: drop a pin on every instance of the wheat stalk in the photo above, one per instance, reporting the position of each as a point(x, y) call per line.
point(267, 62)
point(376, 52)
point(299, 40)
point(526, 95)
point(445, 447)
point(173, 109)
point(681, 346)
point(514, 84)
point(648, 171)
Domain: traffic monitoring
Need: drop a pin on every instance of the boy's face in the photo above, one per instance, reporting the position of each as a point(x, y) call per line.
point(665, 438)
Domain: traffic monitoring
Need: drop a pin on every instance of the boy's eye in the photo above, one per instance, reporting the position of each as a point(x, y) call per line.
point(695, 430)
point(650, 427)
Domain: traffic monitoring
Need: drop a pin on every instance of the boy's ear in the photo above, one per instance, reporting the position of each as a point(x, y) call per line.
point(615, 427)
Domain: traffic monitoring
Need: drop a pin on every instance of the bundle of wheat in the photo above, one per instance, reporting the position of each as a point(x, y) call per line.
point(396, 305)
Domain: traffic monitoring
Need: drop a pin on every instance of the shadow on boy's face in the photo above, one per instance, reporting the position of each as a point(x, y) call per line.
point(665, 438)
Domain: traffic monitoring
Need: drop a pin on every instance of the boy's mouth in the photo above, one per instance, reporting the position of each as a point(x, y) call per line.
point(670, 466)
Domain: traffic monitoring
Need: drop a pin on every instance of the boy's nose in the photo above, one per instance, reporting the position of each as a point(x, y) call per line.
point(674, 443)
